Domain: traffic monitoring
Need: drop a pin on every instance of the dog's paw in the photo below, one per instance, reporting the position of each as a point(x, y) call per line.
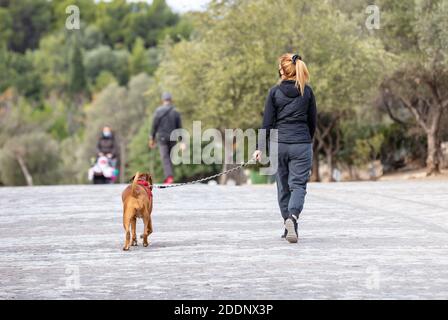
point(146, 244)
point(134, 243)
point(125, 248)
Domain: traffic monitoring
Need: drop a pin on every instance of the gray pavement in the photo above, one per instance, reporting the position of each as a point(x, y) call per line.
point(367, 240)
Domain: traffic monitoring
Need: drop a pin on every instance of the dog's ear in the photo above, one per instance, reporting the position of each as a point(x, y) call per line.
point(148, 178)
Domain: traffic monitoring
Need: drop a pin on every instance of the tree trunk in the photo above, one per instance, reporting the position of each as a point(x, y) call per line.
point(315, 176)
point(430, 122)
point(353, 175)
point(329, 154)
point(24, 168)
point(122, 161)
point(433, 158)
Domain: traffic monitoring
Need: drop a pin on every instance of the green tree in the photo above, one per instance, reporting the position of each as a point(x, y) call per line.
point(104, 58)
point(111, 19)
point(122, 22)
point(148, 22)
point(103, 80)
point(30, 159)
point(48, 73)
point(5, 27)
point(419, 83)
point(92, 37)
point(77, 82)
point(28, 154)
point(18, 72)
point(222, 75)
point(182, 30)
point(30, 20)
point(139, 59)
point(51, 62)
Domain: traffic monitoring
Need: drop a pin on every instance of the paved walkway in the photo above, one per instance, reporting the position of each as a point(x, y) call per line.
point(358, 240)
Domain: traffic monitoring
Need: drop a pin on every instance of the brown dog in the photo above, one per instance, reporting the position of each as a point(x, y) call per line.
point(137, 203)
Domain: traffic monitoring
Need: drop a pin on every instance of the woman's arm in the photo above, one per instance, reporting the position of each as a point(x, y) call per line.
point(268, 122)
point(269, 112)
point(312, 115)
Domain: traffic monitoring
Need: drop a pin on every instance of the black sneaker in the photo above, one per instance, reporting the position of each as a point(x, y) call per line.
point(284, 234)
point(291, 229)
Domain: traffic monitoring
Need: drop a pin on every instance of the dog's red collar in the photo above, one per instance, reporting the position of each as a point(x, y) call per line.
point(143, 183)
point(147, 187)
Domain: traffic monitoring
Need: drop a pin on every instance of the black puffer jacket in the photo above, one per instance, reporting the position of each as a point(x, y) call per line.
point(107, 145)
point(294, 115)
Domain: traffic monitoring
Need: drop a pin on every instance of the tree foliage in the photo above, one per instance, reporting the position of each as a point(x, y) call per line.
point(419, 83)
point(376, 90)
point(222, 74)
point(51, 75)
point(28, 21)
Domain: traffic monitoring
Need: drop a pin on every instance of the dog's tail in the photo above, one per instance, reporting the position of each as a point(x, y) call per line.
point(134, 184)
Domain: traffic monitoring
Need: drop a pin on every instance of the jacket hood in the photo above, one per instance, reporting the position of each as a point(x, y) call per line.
point(288, 87)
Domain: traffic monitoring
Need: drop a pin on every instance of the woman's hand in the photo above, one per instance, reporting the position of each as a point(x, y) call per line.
point(257, 155)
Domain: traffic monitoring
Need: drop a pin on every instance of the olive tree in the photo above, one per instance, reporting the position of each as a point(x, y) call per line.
point(222, 75)
point(419, 84)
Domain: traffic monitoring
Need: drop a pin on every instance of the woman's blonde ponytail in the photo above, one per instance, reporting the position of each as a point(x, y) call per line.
point(294, 69)
point(302, 75)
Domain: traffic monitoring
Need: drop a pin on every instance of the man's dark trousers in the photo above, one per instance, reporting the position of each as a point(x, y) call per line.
point(165, 151)
point(294, 166)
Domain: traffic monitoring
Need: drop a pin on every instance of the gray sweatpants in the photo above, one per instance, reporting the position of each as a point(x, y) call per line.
point(165, 151)
point(294, 166)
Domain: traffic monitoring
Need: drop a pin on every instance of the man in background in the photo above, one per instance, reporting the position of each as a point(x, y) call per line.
point(166, 119)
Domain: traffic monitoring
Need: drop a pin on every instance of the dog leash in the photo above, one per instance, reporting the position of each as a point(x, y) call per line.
point(245, 164)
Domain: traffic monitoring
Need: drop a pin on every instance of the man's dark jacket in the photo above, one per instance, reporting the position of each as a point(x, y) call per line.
point(166, 120)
